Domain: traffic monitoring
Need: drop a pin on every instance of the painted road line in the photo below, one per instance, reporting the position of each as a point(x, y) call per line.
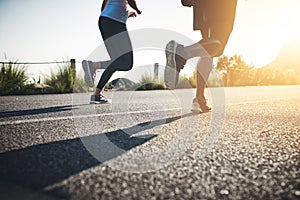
point(71, 117)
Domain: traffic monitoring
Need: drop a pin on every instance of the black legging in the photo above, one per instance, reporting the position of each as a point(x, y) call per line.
point(118, 45)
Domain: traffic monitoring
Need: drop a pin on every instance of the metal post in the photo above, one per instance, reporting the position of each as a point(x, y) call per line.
point(73, 64)
point(156, 71)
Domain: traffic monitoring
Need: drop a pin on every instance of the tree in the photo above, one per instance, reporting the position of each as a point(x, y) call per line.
point(235, 71)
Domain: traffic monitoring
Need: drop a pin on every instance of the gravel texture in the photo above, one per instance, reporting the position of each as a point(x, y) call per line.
point(59, 147)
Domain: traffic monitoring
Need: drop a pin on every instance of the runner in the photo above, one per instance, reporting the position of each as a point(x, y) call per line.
point(112, 25)
point(214, 19)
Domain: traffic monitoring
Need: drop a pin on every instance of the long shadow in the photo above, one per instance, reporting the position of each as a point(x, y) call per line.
point(37, 111)
point(45, 164)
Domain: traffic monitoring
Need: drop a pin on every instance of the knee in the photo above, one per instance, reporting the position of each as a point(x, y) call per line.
point(212, 46)
point(220, 51)
point(126, 62)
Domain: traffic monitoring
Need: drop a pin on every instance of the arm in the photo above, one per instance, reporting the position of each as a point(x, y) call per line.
point(133, 5)
point(103, 5)
point(131, 14)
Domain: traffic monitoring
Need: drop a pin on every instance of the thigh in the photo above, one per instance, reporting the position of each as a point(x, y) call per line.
point(115, 37)
point(222, 33)
point(198, 14)
point(208, 12)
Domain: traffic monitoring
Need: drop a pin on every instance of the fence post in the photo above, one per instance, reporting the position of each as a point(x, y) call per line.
point(156, 71)
point(73, 64)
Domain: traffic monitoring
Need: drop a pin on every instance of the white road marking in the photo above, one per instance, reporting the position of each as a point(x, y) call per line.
point(46, 119)
point(15, 122)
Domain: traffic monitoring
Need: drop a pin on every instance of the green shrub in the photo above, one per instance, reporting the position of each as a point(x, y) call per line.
point(147, 82)
point(13, 78)
point(80, 85)
point(151, 86)
point(63, 80)
point(184, 82)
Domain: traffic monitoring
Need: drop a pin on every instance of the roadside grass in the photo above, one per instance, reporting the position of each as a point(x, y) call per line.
point(65, 80)
point(14, 81)
point(13, 78)
point(147, 82)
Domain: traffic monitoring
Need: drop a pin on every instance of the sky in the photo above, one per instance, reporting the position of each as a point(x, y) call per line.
point(56, 30)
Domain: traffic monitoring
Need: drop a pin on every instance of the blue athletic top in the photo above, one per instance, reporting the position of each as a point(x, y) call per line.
point(116, 10)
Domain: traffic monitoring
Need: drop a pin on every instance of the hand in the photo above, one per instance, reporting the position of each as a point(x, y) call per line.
point(139, 12)
point(131, 14)
point(187, 3)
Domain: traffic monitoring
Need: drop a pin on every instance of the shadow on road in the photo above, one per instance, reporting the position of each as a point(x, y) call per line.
point(38, 111)
point(45, 164)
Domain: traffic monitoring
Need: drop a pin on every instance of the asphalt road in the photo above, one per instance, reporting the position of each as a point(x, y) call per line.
point(148, 145)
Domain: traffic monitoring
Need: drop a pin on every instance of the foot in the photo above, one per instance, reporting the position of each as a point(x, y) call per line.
point(89, 72)
point(95, 99)
point(175, 62)
point(200, 107)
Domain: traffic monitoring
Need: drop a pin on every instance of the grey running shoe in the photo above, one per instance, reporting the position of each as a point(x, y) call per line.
point(175, 63)
point(89, 72)
point(200, 107)
point(98, 99)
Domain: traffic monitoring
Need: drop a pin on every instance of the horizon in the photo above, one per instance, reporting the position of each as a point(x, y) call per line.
point(59, 30)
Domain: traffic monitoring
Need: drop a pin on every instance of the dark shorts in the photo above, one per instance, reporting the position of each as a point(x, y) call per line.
point(215, 19)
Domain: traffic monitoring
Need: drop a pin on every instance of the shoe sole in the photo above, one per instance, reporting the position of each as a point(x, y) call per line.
point(197, 109)
point(171, 74)
point(89, 80)
point(100, 102)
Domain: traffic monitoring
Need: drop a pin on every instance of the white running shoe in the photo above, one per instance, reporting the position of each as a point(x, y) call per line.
point(89, 72)
point(171, 74)
point(196, 107)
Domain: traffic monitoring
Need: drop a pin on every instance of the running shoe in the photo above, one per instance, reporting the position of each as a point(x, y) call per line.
point(89, 72)
point(95, 99)
point(175, 62)
point(200, 107)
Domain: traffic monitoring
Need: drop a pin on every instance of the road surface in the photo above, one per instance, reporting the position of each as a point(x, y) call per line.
point(148, 145)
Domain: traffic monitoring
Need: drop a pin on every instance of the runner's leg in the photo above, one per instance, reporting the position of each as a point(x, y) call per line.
point(119, 47)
